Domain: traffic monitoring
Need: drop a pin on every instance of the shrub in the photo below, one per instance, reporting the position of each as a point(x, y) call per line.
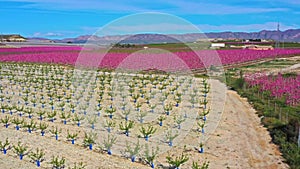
point(4, 146)
point(89, 140)
point(37, 156)
point(126, 114)
point(133, 151)
point(161, 119)
point(110, 124)
point(204, 102)
point(17, 122)
point(137, 106)
point(72, 107)
point(108, 143)
point(77, 119)
point(205, 165)
point(178, 121)
point(10, 108)
point(98, 110)
point(201, 148)
point(43, 127)
point(30, 126)
point(29, 112)
point(5, 121)
point(92, 120)
point(147, 132)
point(168, 108)
point(79, 165)
point(51, 115)
point(65, 116)
point(177, 161)
point(41, 114)
point(170, 137)
point(141, 116)
point(19, 109)
point(150, 157)
point(110, 111)
point(72, 136)
point(135, 97)
point(3, 107)
point(201, 126)
point(152, 107)
point(126, 126)
point(55, 132)
point(20, 150)
point(58, 163)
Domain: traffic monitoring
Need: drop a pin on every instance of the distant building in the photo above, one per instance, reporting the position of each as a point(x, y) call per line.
point(258, 47)
point(236, 47)
point(217, 45)
point(12, 38)
point(252, 40)
point(216, 39)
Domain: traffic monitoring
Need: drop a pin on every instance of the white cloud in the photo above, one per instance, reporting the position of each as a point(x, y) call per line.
point(246, 28)
point(169, 6)
point(48, 34)
point(108, 6)
point(217, 8)
point(90, 29)
point(292, 2)
point(162, 28)
point(170, 28)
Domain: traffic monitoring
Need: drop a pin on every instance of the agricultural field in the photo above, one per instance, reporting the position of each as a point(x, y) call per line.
point(193, 59)
point(284, 65)
point(55, 115)
point(102, 111)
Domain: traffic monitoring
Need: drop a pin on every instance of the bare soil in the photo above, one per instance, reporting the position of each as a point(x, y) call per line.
point(239, 141)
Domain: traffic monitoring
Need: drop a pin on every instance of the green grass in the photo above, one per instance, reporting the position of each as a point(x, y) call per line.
point(277, 63)
point(290, 45)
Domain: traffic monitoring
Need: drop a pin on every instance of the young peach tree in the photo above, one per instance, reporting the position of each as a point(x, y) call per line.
point(37, 156)
point(177, 161)
point(4, 146)
point(89, 140)
point(20, 150)
point(150, 156)
point(147, 132)
point(133, 151)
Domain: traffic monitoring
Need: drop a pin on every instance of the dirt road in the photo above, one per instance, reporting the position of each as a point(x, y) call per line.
point(240, 140)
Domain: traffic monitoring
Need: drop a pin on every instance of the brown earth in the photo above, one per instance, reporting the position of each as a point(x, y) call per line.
point(240, 141)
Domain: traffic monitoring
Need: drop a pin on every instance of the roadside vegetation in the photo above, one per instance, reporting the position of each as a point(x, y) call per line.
point(281, 119)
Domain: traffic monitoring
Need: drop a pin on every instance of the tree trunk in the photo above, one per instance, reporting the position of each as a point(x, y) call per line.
point(299, 138)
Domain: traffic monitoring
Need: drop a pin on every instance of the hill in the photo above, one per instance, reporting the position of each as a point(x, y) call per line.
point(292, 35)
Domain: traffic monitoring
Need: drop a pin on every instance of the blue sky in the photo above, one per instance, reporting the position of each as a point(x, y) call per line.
point(70, 18)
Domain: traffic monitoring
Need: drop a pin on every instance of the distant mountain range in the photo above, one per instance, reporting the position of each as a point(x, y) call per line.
point(292, 35)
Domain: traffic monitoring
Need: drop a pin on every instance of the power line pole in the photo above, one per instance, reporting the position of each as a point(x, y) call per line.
point(277, 45)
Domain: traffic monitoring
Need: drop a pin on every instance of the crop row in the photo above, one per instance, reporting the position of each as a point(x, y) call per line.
point(163, 61)
point(124, 107)
point(277, 86)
